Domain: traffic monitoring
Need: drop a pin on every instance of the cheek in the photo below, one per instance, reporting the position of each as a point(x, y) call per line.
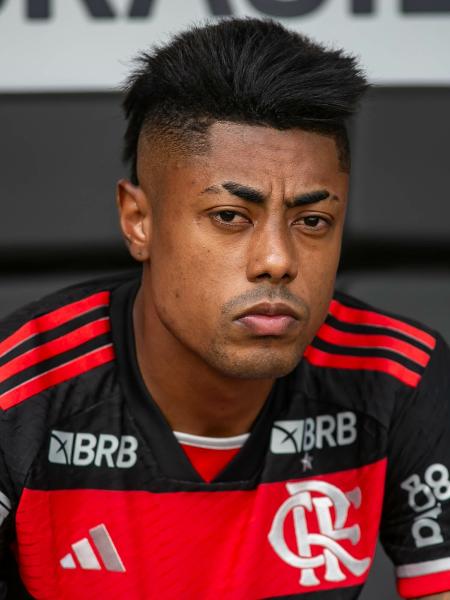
point(186, 250)
point(190, 279)
point(319, 277)
point(317, 274)
point(319, 260)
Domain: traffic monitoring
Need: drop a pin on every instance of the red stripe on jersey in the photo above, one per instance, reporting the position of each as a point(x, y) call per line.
point(209, 462)
point(357, 316)
point(340, 361)
point(54, 319)
point(372, 341)
point(71, 369)
point(413, 587)
point(203, 544)
point(58, 346)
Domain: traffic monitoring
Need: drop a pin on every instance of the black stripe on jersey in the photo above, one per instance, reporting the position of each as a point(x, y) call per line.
point(375, 330)
point(42, 338)
point(55, 361)
point(369, 353)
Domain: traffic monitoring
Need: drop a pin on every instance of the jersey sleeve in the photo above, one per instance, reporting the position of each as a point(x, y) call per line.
point(11, 586)
point(7, 509)
point(415, 527)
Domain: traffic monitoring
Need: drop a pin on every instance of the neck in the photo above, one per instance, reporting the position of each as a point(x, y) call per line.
point(193, 397)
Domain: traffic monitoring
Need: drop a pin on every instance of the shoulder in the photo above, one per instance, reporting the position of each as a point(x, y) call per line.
point(361, 338)
point(57, 360)
point(54, 340)
point(371, 361)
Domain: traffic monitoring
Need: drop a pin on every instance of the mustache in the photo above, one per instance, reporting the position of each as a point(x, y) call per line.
point(265, 294)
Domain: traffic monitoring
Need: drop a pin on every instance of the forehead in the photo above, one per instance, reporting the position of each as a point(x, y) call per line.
point(264, 155)
point(256, 155)
point(275, 149)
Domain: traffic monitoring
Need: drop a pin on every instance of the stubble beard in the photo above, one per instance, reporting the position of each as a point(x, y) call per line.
point(266, 361)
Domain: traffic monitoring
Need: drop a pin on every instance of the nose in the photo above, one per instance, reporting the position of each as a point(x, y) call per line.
point(272, 255)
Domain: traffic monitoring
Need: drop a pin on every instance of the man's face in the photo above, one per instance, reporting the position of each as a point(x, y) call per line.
point(244, 245)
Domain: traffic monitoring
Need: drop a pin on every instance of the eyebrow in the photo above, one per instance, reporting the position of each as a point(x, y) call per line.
point(257, 197)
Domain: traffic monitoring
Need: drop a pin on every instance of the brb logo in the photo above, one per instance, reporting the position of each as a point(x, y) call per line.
point(425, 499)
point(293, 437)
point(331, 507)
point(83, 449)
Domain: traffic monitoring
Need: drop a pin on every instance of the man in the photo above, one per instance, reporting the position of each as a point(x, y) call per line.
point(226, 427)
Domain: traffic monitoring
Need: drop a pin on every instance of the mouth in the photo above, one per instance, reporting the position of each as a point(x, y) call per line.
point(267, 319)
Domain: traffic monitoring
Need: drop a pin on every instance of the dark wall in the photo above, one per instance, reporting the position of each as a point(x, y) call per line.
point(60, 158)
point(397, 249)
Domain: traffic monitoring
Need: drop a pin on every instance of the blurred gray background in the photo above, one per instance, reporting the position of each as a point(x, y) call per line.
point(60, 159)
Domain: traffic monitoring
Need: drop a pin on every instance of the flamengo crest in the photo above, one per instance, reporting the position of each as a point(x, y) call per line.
point(331, 531)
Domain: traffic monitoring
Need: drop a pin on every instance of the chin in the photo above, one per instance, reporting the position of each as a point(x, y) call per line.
point(266, 366)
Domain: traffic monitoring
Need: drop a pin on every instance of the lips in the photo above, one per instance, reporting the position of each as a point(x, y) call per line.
point(269, 319)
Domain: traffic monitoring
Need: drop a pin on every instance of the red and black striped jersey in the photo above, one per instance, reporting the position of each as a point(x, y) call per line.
point(99, 500)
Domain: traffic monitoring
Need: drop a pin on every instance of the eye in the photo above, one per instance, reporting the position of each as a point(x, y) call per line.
point(226, 215)
point(229, 218)
point(313, 223)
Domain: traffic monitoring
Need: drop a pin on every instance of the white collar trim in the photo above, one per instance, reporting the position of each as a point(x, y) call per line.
point(212, 443)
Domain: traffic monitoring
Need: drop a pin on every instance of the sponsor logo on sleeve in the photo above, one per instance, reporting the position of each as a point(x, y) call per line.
point(86, 449)
point(425, 497)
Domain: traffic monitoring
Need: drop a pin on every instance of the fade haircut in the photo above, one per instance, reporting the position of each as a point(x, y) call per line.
point(241, 70)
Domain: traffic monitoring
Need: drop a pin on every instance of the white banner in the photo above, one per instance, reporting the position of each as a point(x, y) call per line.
point(89, 44)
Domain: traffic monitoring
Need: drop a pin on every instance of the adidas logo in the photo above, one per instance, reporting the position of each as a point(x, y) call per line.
point(5, 507)
point(87, 557)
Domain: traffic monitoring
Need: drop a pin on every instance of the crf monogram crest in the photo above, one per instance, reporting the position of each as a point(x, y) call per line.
point(331, 529)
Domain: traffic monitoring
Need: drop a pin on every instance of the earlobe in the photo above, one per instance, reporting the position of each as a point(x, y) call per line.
point(135, 218)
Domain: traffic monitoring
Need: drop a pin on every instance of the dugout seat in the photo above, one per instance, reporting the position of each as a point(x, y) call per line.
point(400, 168)
point(380, 584)
point(60, 159)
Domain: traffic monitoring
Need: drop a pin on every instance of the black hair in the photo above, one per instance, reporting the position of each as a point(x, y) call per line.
point(243, 70)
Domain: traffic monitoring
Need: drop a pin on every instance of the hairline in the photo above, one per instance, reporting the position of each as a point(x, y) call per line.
point(183, 142)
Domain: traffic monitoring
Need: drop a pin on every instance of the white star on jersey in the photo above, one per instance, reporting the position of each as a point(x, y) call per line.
point(307, 462)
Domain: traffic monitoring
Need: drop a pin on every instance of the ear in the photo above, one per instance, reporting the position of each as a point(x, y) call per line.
point(135, 219)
